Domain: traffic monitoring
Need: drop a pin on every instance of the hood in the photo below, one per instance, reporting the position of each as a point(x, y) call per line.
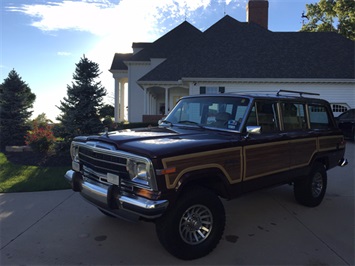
point(158, 142)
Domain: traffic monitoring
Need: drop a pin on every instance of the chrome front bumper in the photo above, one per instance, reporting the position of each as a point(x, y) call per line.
point(109, 199)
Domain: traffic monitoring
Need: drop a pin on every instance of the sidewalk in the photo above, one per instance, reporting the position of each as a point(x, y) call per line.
point(263, 228)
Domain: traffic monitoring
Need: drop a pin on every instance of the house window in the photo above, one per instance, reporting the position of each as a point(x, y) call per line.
point(339, 107)
point(211, 90)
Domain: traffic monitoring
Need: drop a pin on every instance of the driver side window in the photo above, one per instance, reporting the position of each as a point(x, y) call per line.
point(265, 115)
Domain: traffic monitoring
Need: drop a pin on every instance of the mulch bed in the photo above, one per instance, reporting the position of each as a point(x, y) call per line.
point(39, 159)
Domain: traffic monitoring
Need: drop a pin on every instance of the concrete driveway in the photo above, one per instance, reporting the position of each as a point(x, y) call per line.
point(265, 227)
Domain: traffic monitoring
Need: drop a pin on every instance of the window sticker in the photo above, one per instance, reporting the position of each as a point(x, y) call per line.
point(232, 124)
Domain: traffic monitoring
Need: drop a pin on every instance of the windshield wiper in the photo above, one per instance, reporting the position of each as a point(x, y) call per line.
point(190, 123)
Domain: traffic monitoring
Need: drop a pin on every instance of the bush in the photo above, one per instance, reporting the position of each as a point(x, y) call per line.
point(40, 138)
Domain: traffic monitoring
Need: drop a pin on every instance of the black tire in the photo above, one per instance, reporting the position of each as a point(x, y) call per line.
point(194, 226)
point(310, 191)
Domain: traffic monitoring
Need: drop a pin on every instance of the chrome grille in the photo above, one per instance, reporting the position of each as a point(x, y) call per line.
point(102, 163)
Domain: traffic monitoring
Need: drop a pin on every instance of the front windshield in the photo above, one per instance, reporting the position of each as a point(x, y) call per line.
point(214, 112)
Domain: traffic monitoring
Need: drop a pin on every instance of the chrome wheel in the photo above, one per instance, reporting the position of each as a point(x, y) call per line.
point(317, 185)
point(196, 224)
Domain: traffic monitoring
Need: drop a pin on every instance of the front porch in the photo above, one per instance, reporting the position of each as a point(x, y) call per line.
point(154, 100)
point(159, 100)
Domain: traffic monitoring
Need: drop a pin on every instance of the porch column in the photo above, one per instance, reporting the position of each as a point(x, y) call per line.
point(166, 101)
point(117, 100)
point(121, 100)
point(145, 101)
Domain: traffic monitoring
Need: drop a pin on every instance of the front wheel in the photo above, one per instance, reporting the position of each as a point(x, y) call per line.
point(311, 190)
point(193, 227)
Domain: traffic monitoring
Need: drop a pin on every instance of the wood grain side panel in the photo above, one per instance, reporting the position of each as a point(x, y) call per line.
point(266, 159)
point(302, 151)
point(331, 143)
point(229, 161)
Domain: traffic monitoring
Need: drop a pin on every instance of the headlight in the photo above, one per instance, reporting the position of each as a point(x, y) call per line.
point(138, 171)
point(74, 152)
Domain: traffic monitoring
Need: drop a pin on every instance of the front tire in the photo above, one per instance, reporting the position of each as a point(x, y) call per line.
point(311, 190)
point(194, 226)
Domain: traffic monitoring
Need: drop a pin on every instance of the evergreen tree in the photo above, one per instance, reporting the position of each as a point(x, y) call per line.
point(16, 99)
point(107, 110)
point(80, 109)
point(331, 15)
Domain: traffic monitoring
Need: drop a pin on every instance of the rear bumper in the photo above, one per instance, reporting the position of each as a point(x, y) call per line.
point(343, 162)
point(110, 199)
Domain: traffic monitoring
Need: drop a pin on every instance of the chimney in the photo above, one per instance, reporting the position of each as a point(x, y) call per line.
point(257, 12)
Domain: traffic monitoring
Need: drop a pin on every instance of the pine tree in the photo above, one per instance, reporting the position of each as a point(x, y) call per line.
point(80, 109)
point(16, 99)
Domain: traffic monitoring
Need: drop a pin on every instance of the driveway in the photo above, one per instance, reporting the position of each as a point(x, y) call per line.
point(265, 227)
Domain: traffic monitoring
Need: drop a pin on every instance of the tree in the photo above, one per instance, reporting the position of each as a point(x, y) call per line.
point(80, 109)
point(107, 110)
point(16, 99)
point(331, 15)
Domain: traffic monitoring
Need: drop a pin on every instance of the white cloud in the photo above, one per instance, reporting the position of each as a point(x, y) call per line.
point(63, 53)
point(116, 24)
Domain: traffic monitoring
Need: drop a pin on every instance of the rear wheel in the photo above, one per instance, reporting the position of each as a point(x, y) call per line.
point(194, 226)
point(311, 190)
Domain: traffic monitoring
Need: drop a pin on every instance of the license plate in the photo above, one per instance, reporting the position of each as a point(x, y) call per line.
point(113, 179)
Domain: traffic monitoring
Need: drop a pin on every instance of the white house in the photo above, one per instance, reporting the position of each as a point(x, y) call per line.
point(232, 56)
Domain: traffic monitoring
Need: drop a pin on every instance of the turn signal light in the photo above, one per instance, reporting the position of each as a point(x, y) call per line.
point(166, 171)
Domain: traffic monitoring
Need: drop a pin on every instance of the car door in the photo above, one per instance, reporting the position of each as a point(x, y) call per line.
point(265, 154)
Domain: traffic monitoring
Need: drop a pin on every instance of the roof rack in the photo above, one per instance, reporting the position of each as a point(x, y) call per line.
point(298, 92)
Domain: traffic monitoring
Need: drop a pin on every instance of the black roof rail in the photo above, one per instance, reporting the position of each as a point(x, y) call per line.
point(298, 92)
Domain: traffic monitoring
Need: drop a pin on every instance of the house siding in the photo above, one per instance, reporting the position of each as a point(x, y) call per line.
point(334, 93)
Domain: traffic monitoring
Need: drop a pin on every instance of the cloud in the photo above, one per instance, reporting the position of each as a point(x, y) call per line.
point(115, 23)
point(63, 53)
point(100, 17)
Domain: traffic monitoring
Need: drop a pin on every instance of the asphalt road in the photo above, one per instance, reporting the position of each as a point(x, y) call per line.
point(263, 228)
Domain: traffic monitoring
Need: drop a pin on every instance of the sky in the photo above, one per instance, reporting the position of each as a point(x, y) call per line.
point(44, 40)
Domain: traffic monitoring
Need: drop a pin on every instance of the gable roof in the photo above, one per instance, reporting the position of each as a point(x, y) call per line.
point(233, 49)
point(118, 61)
point(175, 39)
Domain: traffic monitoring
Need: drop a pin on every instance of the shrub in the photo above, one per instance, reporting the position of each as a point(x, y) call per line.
point(40, 138)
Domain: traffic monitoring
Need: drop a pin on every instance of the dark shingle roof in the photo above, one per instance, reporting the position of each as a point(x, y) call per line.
point(141, 44)
point(118, 61)
point(175, 39)
point(232, 49)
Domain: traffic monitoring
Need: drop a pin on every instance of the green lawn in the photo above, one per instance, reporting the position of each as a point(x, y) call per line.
point(24, 178)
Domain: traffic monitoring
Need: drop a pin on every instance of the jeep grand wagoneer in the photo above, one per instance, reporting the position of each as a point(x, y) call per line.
point(208, 147)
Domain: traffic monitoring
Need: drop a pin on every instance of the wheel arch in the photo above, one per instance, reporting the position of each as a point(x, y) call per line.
point(321, 158)
point(210, 178)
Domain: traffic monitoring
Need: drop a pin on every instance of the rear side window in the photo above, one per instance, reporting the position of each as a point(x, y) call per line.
point(319, 117)
point(293, 116)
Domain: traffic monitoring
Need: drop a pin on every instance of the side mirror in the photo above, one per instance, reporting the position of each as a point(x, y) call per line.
point(253, 129)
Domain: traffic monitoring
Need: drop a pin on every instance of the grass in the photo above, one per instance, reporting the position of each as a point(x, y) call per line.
point(26, 178)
